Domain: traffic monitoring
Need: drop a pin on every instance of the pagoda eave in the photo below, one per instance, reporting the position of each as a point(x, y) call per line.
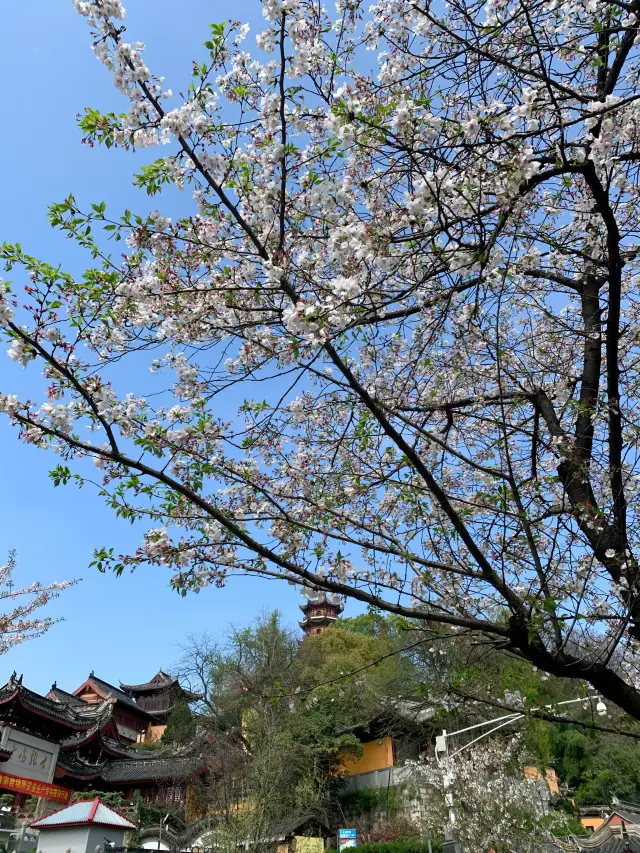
point(312, 604)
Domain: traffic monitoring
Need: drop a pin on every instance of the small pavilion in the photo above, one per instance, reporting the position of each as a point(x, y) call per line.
point(83, 827)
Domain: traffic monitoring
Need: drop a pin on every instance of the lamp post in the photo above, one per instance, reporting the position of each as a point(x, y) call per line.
point(451, 844)
point(163, 823)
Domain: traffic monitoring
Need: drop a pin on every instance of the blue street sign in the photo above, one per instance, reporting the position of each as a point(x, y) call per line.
point(347, 838)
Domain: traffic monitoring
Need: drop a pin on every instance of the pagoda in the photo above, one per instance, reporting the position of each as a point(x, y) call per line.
point(320, 611)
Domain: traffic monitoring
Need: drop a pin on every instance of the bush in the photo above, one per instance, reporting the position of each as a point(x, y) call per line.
point(406, 845)
point(371, 799)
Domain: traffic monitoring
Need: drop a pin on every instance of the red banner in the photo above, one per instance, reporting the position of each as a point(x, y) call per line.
point(34, 788)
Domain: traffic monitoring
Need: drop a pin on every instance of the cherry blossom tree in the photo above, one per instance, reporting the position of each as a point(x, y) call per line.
point(421, 282)
point(18, 621)
point(495, 806)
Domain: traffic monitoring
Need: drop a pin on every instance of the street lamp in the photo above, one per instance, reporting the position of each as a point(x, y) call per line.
point(163, 824)
point(451, 844)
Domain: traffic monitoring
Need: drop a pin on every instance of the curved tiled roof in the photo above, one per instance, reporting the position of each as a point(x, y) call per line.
point(73, 766)
point(104, 724)
point(74, 716)
point(320, 600)
point(284, 829)
point(148, 769)
point(101, 716)
point(607, 839)
point(109, 745)
point(59, 695)
point(151, 769)
point(160, 683)
point(106, 689)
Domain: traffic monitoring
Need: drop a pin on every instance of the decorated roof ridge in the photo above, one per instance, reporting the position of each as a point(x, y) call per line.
point(59, 695)
point(94, 710)
point(104, 688)
point(74, 766)
point(152, 769)
point(99, 713)
point(81, 737)
point(109, 745)
point(145, 768)
point(602, 839)
point(410, 711)
point(67, 714)
point(160, 683)
point(321, 598)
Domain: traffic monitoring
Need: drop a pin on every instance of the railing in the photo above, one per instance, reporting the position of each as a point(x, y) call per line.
point(387, 777)
point(151, 850)
point(109, 849)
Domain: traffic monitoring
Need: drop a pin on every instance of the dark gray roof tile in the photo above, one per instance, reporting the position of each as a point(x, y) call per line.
point(82, 716)
point(116, 693)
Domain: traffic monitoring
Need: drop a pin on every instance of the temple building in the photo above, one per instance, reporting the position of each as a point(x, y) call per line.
point(131, 721)
point(53, 745)
point(158, 698)
point(89, 739)
point(320, 611)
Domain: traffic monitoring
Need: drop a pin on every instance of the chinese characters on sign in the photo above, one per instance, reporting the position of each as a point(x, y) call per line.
point(34, 788)
point(31, 757)
point(347, 838)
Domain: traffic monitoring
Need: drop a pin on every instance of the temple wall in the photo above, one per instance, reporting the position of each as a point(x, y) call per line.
point(154, 733)
point(376, 755)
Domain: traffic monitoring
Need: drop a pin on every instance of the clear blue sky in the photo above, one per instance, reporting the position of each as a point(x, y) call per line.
point(123, 628)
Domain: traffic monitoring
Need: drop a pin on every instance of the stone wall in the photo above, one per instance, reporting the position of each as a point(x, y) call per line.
point(379, 811)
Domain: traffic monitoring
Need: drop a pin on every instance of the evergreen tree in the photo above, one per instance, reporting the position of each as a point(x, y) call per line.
point(181, 725)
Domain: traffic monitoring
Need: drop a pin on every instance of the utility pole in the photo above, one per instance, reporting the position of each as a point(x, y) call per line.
point(21, 837)
point(163, 822)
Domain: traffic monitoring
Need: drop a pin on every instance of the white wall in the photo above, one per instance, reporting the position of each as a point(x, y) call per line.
point(78, 839)
point(152, 844)
point(59, 840)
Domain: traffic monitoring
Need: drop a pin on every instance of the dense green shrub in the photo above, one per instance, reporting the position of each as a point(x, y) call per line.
point(406, 845)
point(372, 798)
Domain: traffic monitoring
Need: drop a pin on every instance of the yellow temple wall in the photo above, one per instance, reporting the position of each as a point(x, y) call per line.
point(376, 755)
point(592, 822)
point(154, 733)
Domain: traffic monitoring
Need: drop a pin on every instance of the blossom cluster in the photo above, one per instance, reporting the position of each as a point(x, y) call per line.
point(400, 326)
